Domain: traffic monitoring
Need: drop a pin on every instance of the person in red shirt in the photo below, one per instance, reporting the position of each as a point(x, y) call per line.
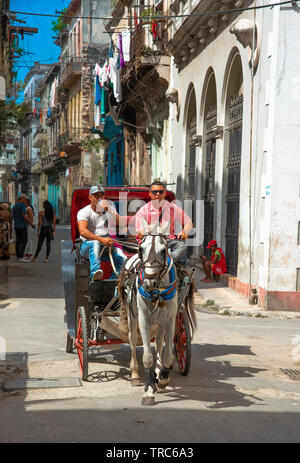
point(160, 216)
point(217, 265)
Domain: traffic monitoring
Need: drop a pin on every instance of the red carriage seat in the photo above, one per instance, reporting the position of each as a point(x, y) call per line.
point(80, 199)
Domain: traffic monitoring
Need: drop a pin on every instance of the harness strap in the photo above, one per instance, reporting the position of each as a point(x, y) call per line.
point(160, 294)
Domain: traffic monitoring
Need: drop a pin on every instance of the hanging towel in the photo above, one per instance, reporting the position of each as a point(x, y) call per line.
point(126, 45)
point(111, 49)
point(115, 77)
point(122, 62)
point(103, 105)
point(97, 91)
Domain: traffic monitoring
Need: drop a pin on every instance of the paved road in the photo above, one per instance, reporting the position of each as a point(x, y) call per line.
point(235, 392)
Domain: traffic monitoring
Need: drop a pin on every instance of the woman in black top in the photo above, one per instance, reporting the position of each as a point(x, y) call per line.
point(46, 229)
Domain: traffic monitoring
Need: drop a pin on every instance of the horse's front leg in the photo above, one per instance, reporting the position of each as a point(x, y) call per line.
point(150, 378)
point(164, 375)
point(132, 336)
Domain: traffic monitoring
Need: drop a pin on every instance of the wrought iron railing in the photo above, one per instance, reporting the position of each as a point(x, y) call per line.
point(71, 135)
point(73, 66)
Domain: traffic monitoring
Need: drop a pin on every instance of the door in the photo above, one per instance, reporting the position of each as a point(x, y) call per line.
point(209, 192)
point(233, 184)
point(54, 193)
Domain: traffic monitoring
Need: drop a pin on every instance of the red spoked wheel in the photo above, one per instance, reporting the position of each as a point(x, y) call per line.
point(182, 343)
point(82, 340)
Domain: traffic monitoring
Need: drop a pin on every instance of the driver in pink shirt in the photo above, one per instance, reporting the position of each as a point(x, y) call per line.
point(160, 216)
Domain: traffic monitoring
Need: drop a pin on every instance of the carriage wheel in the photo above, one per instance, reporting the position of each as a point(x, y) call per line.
point(82, 341)
point(182, 343)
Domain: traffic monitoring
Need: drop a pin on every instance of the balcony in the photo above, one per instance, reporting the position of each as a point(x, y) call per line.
point(69, 140)
point(7, 162)
point(47, 163)
point(148, 51)
point(70, 72)
point(40, 139)
point(24, 166)
point(36, 166)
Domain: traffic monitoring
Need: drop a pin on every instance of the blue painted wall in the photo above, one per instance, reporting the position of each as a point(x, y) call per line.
point(115, 152)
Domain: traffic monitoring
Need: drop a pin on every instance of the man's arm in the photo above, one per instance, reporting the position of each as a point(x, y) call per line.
point(217, 257)
point(26, 218)
point(88, 235)
point(181, 217)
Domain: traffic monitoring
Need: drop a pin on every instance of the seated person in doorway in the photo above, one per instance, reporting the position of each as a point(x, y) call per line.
point(158, 215)
point(216, 266)
point(94, 223)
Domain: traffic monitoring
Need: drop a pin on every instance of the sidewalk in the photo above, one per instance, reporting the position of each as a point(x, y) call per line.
point(218, 298)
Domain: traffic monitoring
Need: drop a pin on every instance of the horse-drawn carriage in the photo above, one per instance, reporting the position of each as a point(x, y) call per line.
point(95, 313)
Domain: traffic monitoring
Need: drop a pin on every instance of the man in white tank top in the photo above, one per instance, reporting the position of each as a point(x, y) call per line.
point(94, 224)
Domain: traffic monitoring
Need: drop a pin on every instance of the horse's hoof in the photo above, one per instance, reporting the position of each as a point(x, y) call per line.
point(162, 385)
point(135, 382)
point(146, 401)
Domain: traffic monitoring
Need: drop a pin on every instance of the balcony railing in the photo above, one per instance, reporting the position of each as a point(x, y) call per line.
point(70, 70)
point(6, 162)
point(24, 165)
point(40, 138)
point(144, 42)
point(68, 137)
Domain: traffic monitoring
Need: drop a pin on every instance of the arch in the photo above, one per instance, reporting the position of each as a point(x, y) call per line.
point(232, 104)
point(190, 95)
point(190, 127)
point(231, 62)
point(210, 74)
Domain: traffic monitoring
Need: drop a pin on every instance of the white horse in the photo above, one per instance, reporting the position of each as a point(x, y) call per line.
point(151, 299)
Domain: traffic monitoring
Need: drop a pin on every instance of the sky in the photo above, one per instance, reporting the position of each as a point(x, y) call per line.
point(40, 46)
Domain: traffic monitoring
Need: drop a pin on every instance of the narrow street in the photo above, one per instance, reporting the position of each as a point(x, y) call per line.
point(235, 391)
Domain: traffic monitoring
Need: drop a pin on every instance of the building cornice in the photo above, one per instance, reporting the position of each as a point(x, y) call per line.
point(191, 34)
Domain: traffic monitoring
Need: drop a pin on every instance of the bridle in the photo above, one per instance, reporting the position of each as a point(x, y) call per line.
point(154, 292)
point(152, 258)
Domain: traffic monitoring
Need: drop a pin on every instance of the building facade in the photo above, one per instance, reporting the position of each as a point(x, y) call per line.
point(29, 157)
point(144, 79)
point(234, 127)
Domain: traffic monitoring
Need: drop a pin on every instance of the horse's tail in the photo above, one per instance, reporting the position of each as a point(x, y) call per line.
point(121, 288)
point(189, 310)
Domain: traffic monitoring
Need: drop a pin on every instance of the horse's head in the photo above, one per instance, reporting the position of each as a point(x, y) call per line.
point(153, 252)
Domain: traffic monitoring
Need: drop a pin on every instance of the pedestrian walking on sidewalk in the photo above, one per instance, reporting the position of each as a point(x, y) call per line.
point(20, 223)
point(30, 215)
point(216, 266)
point(46, 229)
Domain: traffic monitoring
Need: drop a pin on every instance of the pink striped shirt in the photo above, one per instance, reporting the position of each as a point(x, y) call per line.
point(147, 218)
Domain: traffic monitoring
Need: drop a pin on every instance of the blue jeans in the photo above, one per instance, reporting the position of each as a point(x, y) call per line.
point(91, 250)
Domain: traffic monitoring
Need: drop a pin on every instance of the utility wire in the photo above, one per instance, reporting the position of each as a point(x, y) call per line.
point(153, 17)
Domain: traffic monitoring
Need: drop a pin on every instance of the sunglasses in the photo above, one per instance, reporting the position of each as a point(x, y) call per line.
point(155, 192)
point(98, 194)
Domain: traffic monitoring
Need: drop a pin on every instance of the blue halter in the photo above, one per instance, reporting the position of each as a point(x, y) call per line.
point(164, 295)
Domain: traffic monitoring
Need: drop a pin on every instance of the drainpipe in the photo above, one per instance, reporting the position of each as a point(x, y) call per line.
point(250, 294)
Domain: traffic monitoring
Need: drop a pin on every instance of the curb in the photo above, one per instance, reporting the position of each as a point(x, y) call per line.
point(220, 308)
